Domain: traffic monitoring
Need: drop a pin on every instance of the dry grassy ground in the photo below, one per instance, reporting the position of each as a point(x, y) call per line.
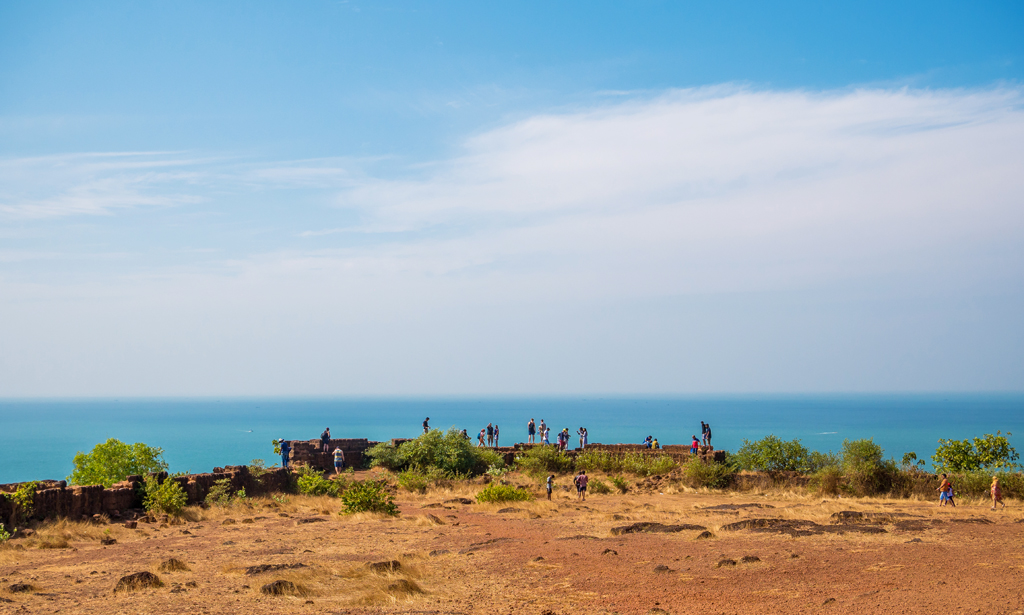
point(558, 557)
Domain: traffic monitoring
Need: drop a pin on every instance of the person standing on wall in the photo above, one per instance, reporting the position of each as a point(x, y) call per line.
point(286, 449)
point(490, 434)
point(325, 440)
point(531, 431)
point(426, 424)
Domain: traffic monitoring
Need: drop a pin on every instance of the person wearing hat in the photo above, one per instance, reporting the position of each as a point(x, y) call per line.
point(286, 448)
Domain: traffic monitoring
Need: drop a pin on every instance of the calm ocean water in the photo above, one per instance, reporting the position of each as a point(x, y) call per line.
point(41, 437)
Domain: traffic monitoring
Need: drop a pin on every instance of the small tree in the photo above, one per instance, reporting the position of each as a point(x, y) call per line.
point(772, 454)
point(167, 497)
point(988, 453)
point(113, 461)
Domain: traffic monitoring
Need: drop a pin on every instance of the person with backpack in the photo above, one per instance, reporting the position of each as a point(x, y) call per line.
point(694, 446)
point(325, 440)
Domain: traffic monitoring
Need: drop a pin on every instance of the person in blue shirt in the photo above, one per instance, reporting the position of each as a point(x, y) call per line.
point(647, 441)
point(286, 448)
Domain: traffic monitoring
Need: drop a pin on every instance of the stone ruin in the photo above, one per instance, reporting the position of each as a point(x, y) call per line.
point(57, 499)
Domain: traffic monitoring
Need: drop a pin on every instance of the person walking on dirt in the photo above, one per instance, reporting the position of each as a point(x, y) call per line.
point(946, 492)
point(531, 430)
point(339, 461)
point(997, 493)
point(550, 485)
point(581, 485)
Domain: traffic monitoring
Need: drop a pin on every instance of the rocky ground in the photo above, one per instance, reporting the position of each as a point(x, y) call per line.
point(674, 551)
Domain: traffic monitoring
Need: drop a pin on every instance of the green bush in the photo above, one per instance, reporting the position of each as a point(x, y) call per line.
point(313, 482)
point(591, 461)
point(772, 454)
point(992, 452)
point(817, 461)
point(414, 481)
point(368, 496)
point(4, 534)
point(827, 481)
point(23, 502)
point(977, 484)
point(167, 497)
point(699, 473)
point(648, 465)
point(448, 452)
point(865, 471)
point(113, 461)
point(597, 486)
point(620, 483)
point(220, 494)
point(496, 492)
point(544, 459)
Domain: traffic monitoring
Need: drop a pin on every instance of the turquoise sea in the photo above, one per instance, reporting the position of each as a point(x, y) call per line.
point(41, 437)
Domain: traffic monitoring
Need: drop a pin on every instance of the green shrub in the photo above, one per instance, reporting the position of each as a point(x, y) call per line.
point(220, 494)
point(368, 496)
point(543, 460)
point(620, 483)
point(414, 481)
point(988, 453)
point(597, 486)
point(313, 482)
point(4, 534)
point(865, 471)
point(257, 468)
point(772, 454)
point(448, 452)
point(827, 481)
point(113, 461)
point(496, 492)
point(167, 497)
point(699, 473)
point(497, 471)
point(977, 484)
point(648, 465)
point(23, 502)
point(817, 461)
point(591, 461)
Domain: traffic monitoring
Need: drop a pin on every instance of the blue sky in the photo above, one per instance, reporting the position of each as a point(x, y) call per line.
point(519, 198)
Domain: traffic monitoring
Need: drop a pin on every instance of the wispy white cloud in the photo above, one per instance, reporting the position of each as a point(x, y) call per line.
point(711, 239)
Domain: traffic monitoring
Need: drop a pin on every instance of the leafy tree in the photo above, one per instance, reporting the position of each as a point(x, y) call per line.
point(772, 454)
point(987, 453)
point(449, 452)
point(113, 461)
